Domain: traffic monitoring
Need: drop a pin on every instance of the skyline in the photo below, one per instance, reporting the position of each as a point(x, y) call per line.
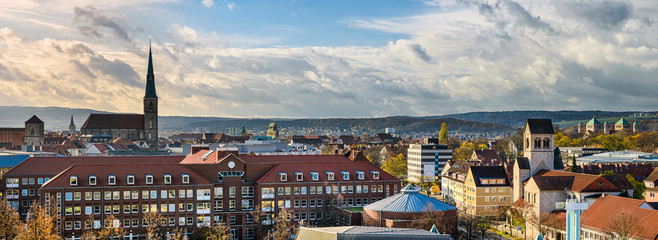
point(301, 59)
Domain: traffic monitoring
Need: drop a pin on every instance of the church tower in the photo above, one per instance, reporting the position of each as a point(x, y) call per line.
point(34, 131)
point(150, 106)
point(539, 145)
point(72, 127)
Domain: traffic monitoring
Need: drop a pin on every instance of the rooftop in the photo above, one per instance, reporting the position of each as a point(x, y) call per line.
point(409, 200)
point(367, 233)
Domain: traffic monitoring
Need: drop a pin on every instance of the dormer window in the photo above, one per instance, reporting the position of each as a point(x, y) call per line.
point(73, 180)
point(167, 179)
point(299, 176)
point(283, 177)
point(330, 176)
point(92, 180)
point(375, 174)
point(149, 179)
point(130, 179)
point(315, 176)
point(111, 180)
point(346, 175)
point(186, 178)
point(360, 175)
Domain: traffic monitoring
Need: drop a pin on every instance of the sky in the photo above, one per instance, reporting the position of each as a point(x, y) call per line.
point(322, 59)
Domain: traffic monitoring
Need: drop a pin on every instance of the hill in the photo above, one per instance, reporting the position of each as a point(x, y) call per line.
point(561, 118)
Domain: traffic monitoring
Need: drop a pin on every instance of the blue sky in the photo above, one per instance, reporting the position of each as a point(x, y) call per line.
point(331, 58)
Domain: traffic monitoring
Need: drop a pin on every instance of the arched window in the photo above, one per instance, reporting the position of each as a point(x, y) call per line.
point(547, 143)
point(527, 143)
point(537, 143)
point(32, 131)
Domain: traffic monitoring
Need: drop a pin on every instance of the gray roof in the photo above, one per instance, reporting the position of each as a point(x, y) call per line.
point(540, 126)
point(523, 163)
point(408, 200)
point(363, 232)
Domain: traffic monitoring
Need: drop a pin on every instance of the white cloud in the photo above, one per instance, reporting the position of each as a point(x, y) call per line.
point(208, 3)
point(230, 6)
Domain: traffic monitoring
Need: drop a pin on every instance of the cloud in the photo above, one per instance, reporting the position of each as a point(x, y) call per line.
point(230, 6)
point(208, 3)
point(601, 14)
point(92, 21)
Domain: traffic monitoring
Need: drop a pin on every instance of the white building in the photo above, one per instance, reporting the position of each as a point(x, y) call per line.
point(427, 160)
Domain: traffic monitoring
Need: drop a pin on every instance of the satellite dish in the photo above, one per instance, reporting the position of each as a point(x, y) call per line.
point(231, 164)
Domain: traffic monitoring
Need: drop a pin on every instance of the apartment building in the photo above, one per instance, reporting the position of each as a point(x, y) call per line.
point(201, 189)
point(427, 160)
point(487, 191)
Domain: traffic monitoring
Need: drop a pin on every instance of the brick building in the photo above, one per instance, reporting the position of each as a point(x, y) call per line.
point(204, 188)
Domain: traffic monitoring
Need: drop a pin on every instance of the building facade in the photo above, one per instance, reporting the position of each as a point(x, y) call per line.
point(487, 191)
point(427, 161)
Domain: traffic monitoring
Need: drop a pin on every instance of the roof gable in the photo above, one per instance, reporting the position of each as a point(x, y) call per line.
point(34, 119)
point(540, 126)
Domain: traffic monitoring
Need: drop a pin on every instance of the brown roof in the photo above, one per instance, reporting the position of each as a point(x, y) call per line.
point(487, 156)
point(489, 172)
point(121, 171)
point(34, 119)
point(605, 209)
point(321, 168)
point(114, 121)
point(638, 170)
point(550, 183)
point(581, 182)
point(55, 165)
point(653, 177)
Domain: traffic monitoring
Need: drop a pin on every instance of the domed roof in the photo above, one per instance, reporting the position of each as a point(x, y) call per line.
point(408, 200)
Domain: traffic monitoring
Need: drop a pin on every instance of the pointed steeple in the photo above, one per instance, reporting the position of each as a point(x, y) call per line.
point(150, 78)
point(71, 124)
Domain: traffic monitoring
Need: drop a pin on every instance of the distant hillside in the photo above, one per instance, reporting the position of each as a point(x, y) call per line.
point(517, 118)
point(406, 125)
point(56, 118)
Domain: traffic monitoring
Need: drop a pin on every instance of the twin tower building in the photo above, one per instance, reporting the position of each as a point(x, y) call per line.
point(135, 127)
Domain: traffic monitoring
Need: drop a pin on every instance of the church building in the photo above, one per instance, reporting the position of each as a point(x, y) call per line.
point(136, 127)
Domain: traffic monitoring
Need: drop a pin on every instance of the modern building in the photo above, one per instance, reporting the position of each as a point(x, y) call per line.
point(623, 156)
point(367, 233)
point(205, 188)
point(403, 209)
point(427, 160)
point(135, 127)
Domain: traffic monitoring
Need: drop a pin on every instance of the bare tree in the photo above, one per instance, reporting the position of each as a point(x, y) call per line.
point(624, 226)
point(430, 218)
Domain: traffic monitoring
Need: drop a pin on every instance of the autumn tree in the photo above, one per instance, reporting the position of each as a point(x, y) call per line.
point(8, 220)
point(258, 213)
point(624, 226)
point(177, 234)
point(219, 232)
point(112, 229)
point(155, 229)
point(396, 166)
point(283, 228)
point(443, 133)
point(38, 225)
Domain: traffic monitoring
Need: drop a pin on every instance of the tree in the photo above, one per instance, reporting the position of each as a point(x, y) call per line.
point(38, 226)
point(219, 232)
point(429, 218)
point(8, 220)
point(243, 131)
point(573, 167)
point(396, 166)
point(257, 213)
point(624, 226)
point(328, 213)
point(548, 221)
point(177, 234)
point(112, 229)
point(283, 228)
point(638, 187)
point(443, 133)
point(155, 229)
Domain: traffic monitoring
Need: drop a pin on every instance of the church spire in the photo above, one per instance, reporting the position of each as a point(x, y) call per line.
point(150, 78)
point(71, 124)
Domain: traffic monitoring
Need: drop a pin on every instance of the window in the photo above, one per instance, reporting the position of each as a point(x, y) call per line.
point(130, 179)
point(149, 179)
point(330, 176)
point(299, 176)
point(537, 143)
point(67, 196)
point(315, 176)
point(73, 180)
point(219, 192)
point(296, 190)
point(92, 180)
point(231, 192)
point(360, 175)
point(547, 143)
point(247, 204)
point(283, 177)
point(185, 178)
point(167, 179)
point(77, 196)
point(219, 205)
point(40, 181)
point(231, 205)
point(375, 174)
point(111, 180)
point(346, 175)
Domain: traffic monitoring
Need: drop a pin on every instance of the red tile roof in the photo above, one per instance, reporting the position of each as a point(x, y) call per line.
point(214, 157)
point(638, 170)
point(114, 121)
point(121, 171)
point(321, 168)
point(55, 165)
point(605, 209)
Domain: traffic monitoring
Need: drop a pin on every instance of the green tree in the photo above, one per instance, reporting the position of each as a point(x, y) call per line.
point(638, 187)
point(573, 167)
point(443, 133)
point(8, 220)
point(396, 166)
